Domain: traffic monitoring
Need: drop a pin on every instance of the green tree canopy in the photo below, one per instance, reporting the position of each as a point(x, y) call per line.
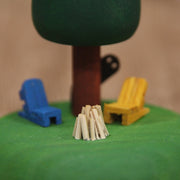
point(86, 22)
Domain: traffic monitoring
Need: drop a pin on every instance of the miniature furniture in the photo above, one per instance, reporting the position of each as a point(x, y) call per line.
point(130, 104)
point(36, 108)
point(86, 25)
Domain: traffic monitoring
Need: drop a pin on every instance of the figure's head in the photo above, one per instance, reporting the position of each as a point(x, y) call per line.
point(86, 22)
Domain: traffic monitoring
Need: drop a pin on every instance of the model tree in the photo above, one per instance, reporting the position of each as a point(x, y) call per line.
point(86, 25)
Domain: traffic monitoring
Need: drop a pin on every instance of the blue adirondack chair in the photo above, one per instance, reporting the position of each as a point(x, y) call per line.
point(36, 108)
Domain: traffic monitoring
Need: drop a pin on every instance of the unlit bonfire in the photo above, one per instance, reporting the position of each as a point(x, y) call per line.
point(90, 125)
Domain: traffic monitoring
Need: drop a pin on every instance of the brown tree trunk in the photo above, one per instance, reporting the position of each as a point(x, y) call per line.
point(86, 77)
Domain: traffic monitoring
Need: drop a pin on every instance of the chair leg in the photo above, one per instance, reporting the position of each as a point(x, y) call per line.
point(128, 119)
point(107, 116)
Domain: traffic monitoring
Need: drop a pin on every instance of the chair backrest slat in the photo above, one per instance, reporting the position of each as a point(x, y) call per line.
point(33, 94)
point(133, 91)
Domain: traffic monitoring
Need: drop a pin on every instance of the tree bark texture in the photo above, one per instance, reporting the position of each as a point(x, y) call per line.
point(86, 77)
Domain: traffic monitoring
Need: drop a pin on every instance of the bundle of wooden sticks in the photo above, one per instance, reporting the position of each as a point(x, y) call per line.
point(90, 124)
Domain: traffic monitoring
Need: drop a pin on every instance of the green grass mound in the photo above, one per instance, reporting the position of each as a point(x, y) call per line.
point(147, 149)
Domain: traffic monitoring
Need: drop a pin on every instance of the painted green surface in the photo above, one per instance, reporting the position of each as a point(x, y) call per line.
point(86, 22)
point(147, 149)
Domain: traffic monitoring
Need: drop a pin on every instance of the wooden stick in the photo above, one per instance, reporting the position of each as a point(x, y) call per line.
point(98, 124)
point(75, 127)
point(87, 110)
point(84, 127)
point(78, 129)
point(100, 130)
point(96, 132)
point(83, 110)
point(99, 109)
point(92, 128)
point(96, 129)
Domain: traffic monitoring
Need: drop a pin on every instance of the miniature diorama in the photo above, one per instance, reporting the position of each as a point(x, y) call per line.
point(85, 147)
point(90, 124)
point(36, 108)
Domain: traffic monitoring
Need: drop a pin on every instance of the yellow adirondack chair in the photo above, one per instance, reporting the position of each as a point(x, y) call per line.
point(130, 103)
